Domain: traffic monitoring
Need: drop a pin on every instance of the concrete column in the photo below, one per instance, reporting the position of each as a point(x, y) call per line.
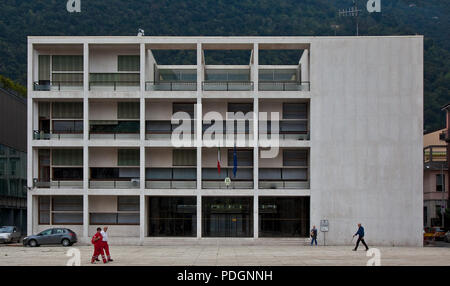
point(199, 114)
point(86, 217)
point(142, 219)
point(29, 140)
point(142, 66)
point(86, 67)
point(255, 71)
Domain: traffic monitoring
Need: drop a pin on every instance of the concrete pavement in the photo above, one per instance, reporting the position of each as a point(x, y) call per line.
point(227, 255)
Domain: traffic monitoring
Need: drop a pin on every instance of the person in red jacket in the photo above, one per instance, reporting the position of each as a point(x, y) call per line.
point(98, 246)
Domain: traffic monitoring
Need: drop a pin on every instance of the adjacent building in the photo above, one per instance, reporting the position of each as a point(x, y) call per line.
point(13, 159)
point(350, 117)
point(435, 178)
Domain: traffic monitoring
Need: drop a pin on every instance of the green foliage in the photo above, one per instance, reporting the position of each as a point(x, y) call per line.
point(7, 83)
point(19, 18)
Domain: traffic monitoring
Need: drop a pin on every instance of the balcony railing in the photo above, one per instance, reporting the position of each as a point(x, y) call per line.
point(298, 136)
point(60, 135)
point(115, 135)
point(211, 179)
point(227, 85)
point(114, 184)
point(114, 85)
point(46, 85)
point(166, 136)
point(283, 86)
point(287, 184)
point(74, 184)
point(171, 86)
point(171, 184)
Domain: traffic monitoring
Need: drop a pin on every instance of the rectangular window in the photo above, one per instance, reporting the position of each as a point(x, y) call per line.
point(44, 109)
point(128, 157)
point(440, 182)
point(295, 158)
point(128, 110)
point(240, 107)
point(244, 157)
point(64, 174)
point(44, 210)
point(128, 63)
point(67, 63)
point(184, 157)
point(64, 110)
point(44, 67)
point(67, 203)
point(68, 126)
point(67, 157)
point(184, 107)
point(295, 111)
point(128, 203)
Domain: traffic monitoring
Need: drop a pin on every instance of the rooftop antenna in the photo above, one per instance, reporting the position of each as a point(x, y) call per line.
point(352, 12)
point(141, 32)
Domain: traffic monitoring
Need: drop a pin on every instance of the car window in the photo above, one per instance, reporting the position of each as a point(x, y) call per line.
point(46, 232)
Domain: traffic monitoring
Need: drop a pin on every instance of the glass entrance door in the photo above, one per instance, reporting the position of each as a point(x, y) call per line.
point(227, 217)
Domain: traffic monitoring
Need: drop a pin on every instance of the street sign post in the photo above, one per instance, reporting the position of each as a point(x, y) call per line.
point(324, 228)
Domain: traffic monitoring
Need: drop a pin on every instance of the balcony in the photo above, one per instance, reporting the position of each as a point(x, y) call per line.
point(287, 130)
point(171, 86)
point(52, 135)
point(283, 86)
point(114, 85)
point(171, 178)
point(227, 86)
point(46, 85)
point(114, 129)
point(211, 179)
point(115, 184)
point(283, 178)
point(52, 184)
point(163, 130)
point(435, 157)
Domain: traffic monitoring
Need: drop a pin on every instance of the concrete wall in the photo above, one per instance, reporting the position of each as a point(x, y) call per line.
point(103, 110)
point(159, 158)
point(367, 122)
point(102, 157)
point(103, 59)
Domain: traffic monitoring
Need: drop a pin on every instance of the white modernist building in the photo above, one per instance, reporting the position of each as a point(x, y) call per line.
point(349, 111)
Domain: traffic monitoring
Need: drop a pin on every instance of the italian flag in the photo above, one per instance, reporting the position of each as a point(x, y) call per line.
point(218, 160)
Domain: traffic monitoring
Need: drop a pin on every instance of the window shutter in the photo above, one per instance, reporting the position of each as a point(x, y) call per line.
point(295, 158)
point(44, 67)
point(128, 110)
point(184, 157)
point(67, 157)
point(295, 111)
point(128, 157)
point(67, 110)
point(44, 109)
point(128, 63)
point(67, 63)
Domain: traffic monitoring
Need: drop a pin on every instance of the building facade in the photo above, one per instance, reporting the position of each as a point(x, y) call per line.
point(435, 178)
point(13, 160)
point(101, 137)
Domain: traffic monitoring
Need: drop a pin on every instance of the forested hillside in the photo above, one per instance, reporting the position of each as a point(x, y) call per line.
point(19, 18)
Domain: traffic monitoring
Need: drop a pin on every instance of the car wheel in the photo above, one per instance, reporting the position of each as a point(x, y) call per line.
point(65, 242)
point(32, 243)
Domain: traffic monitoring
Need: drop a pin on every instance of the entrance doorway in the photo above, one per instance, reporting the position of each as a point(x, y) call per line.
point(227, 217)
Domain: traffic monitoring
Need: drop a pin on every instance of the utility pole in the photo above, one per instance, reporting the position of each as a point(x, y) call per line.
point(352, 12)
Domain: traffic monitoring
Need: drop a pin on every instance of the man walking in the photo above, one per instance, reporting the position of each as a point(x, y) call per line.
point(360, 234)
point(98, 247)
point(314, 235)
point(105, 245)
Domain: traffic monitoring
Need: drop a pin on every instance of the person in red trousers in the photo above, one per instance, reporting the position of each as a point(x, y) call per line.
point(105, 243)
point(98, 246)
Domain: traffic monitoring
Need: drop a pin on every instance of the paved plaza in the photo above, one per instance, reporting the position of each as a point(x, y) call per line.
point(226, 255)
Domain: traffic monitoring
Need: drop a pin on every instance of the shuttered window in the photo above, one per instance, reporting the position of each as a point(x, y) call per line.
point(44, 210)
point(44, 109)
point(67, 157)
point(128, 110)
point(115, 77)
point(240, 107)
point(67, 63)
point(295, 111)
point(184, 107)
point(184, 157)
point(67, 78)
point(67, 110)
point(128, 157)
point(295, 158)
point(128, 203)
point(44, 67)
point(244, 157)
point(128, 63)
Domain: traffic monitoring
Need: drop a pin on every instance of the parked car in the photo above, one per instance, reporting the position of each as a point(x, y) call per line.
point(9, 234)
point(447, 236)
point(63, 236)
point(434, 233)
